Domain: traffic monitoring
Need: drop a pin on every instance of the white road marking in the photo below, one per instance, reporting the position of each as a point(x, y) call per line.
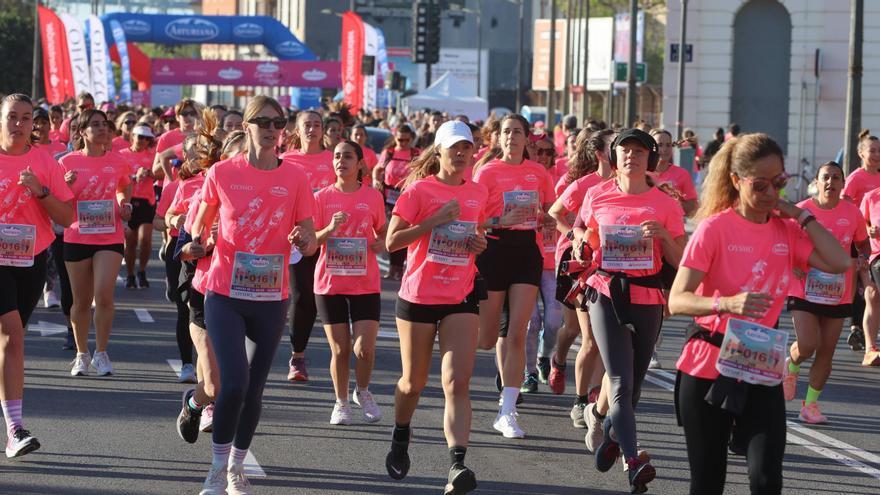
point(846, 460)
point(387, 335)
point(46, 328)
point(251, 466)
point(143, 315)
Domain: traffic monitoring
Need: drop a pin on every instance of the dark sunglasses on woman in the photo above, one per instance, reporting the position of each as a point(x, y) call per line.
point(265, 122)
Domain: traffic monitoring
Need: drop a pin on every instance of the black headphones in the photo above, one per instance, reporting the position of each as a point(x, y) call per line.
point(644, 138)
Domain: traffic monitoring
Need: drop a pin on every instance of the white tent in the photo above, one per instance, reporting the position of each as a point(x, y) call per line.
point(448, 94)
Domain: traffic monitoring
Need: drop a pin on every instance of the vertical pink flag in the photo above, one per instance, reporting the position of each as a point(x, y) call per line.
point(56, 65)
point(352, 58)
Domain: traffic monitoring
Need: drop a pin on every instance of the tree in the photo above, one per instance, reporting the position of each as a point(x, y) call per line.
point(16, 47)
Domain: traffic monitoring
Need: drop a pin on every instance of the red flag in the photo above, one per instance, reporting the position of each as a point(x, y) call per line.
point(352, 58)
point(56, 64)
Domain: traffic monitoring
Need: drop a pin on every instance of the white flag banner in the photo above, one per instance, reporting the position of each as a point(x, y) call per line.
point(79, 54)
point(98, 51)
point(371, 47)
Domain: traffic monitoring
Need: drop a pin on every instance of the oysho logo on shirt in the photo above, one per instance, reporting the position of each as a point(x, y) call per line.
point(437, 201)
point(278, 192)
point(738, 248)
point(780, 249)
point(241, 187)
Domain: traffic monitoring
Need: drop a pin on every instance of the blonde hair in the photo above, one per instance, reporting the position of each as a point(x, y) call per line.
point(256, 105)
point(425, 165)
point(736, 156)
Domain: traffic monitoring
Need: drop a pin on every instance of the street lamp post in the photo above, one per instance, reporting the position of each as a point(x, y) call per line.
point(679, 116)
point(631, 72)
point(585, 49)
point(519, 57)
point(479, 53)
point(854, 85)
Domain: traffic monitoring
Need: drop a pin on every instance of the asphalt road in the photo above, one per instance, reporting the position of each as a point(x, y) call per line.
point(116, 435)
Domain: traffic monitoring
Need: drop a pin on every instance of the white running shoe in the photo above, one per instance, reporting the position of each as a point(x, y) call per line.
point(372, 413)
point(50, 299)
point(206, 422)
point(20, 443)
point(238, 482)
point(655, 363)
point(187, 374)
point(595, 433)
point(80, 364)
point(508, 426)
point(341, 414)
point(215, 483)
point(101, 363)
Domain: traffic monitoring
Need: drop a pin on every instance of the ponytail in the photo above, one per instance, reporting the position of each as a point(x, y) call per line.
point(426, 165)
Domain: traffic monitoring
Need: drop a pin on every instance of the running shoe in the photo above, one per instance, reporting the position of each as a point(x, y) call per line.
point(640, 474)
point(655, 363)
point(80, 364)
point(188, 374)
point(529, 384)
point(397, 461)
point(50, 299)
point(856, 339)
point(608, 451)
point(577, 414)
point(543, 365)
point(188, 420)
point(206, 423)
point(298, 371)
point(872, 357)
point(508, 426)
point(811, 414)
point(101, 363)
point(130, 283)
point(461, 480)
point(21, 443)
point(556, 380)
point(215, 483)
point(642, 455)
point(789, 381)
point(341, 414)
point(238, 483)
point(70, 343)
point(371, 411)
point(595, 435)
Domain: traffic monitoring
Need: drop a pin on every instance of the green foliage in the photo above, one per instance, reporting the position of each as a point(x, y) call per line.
point(16, 47)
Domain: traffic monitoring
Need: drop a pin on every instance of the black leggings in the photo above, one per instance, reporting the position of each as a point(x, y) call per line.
point(63, 277)
point(303, 310)
point(245, 336)
point(707, 431)
point(172, 282)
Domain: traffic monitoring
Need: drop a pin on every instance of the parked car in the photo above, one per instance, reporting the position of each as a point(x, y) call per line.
point(377, 137)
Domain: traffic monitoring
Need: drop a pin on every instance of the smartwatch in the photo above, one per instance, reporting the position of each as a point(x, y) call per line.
point(44, 193)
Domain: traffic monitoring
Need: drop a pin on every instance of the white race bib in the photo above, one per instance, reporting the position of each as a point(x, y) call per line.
point(346, 256)
point(257, 277)
point(625, 248)
point(449, 243)
point(17, 245)
point(752, 353)
point(824, 288)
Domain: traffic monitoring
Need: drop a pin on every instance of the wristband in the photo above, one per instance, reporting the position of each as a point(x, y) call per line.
point(716, 303)
point(803, 216)
point(570, 235)
point(807, 221)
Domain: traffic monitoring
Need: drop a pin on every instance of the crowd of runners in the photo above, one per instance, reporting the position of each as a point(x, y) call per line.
point(509, 235)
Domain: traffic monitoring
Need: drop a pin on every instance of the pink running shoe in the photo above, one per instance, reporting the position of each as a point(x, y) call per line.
point(556, 380)
point(298, 372)
point(789, 382)
point(206, 422)
point(811, 414)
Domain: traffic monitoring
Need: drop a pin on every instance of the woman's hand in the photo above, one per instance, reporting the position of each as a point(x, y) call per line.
point(338, 219)
point(301, 238)
point(787, 210)
point(477, 243)
point(178, 221)
point(378, 246)
point(653, 228)
point(125, 212)
point(70, 177)
point(447, 213)
point(194, 250)
point(27, 179)
point(751, 304)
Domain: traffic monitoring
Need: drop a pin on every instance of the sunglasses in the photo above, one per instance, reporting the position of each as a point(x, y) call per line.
point(188, 113)
point(129, 122)
point(545, 152)
point(265, 122)
point(144, 138)
point(760, 184)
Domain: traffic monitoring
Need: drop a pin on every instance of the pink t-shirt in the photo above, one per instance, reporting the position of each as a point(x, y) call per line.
point(184, 193)
point(859, 183)
point(318, 167)
point(53, 148)
point(144, 159)
point(439, 269)
point(19, 207)
point(119, 143)
point(397, 166)
point(56, 136)
point(846, 224)
point(168, 192)
point(515, 186)
point(606, 206)
point(677, 180)
point(370, 158)
point(572, 198)
point(870, 209)
point(258, 209)
point(346, 264)
point(171, 139)
point(559, 168)
point(736, 256)
point(97, 217)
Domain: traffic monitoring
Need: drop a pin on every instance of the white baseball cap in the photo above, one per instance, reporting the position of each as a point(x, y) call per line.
point(451, 132)
point(143, 130)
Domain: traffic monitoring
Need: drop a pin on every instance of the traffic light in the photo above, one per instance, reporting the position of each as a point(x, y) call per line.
point(426, 32)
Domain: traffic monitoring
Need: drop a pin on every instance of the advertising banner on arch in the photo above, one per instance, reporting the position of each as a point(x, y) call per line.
point(78, 53)
point(371, 46)
point(124, 63)
point(352, 58)
point(98, 52)
point(318, 74)
point(56, 72)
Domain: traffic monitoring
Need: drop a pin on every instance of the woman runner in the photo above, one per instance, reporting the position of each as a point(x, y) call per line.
point(438, 216)
point(736, 270)
point(140, 156)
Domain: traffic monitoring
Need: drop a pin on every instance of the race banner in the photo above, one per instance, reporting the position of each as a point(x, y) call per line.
point(319, 74)
point(352, 58)
point(382, 69)
point(78, 53)
point(99, 58)
point(371, 45)
point(56, 73)
point(124, 63)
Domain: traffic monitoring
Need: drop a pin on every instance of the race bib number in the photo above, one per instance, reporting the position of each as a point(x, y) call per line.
point(449, 243)
point(624, 248)
point(391, 196)
point(522, 200)
point(752, 353)
point(346, 256)
point(17, 245)
point(96, 217)
point(824, 288)
point(549, 237)
point(257, 277)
